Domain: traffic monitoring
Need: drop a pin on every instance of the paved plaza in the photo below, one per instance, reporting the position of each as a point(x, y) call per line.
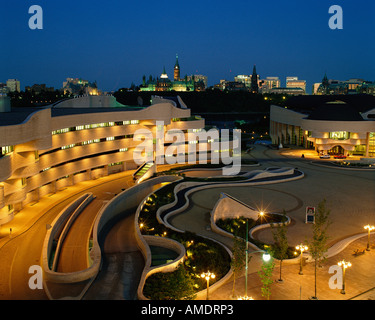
point(349, 195)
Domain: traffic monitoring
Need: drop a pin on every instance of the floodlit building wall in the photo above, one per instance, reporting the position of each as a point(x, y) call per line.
point(49, 152)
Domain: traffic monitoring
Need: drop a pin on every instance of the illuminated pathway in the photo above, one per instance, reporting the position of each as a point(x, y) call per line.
point(349, 195)
point(23, 248)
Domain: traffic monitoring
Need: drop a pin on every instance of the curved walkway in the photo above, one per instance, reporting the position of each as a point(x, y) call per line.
point(300, 287)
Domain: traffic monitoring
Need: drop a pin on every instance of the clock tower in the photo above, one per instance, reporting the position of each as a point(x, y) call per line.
point(176, 70)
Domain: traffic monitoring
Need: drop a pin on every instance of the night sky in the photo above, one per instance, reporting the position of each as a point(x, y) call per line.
point(116, 42)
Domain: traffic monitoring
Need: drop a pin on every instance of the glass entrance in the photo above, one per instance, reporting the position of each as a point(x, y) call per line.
point(336, 150)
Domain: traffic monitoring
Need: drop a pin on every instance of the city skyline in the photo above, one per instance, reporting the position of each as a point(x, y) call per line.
point(117, 44)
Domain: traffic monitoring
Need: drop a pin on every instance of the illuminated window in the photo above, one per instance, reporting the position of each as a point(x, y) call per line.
point(68, 146)
point(339, 135)
point(110, 138)
point(60, 131)
point(134, 121)
point(114, 164)
point(372, 144)
point(80, 128)
point(6, 150)
point(123, 149)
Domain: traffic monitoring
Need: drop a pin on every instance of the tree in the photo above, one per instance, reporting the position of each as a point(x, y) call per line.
point(265, 275)
point(318, 244)
point(177, 285)
point(281, 246)
point(239, 257)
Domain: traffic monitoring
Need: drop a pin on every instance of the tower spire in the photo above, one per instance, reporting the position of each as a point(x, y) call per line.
point(176, 70)
point(254, 81)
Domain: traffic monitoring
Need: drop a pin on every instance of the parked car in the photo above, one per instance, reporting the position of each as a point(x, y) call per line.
point(325, 156)
point(340, 156)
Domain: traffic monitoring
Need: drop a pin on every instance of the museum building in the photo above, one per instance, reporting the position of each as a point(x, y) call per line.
point(43, 150)
point(333, 127)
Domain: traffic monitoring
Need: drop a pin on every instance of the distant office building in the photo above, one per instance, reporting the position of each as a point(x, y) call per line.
point(233, 86)
point(289, 91)
point(269, 83)
point(200, 81)
point(368, 88)
point(14, 85)
point(243, 78)
point(338, 87)
point(79, 86)
point(316, 87)
point(4, 89)
point(294, 82)
point(39, 88)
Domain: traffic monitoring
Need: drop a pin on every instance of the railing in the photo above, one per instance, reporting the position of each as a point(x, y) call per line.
point(142, 170)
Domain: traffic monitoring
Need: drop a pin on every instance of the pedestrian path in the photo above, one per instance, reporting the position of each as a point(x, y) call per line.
point(359, 283)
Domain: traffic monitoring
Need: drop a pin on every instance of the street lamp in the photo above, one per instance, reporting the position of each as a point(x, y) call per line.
point(261, 215)
point(301, 248)
point(369, 229)
point(343, 264)
point(208, 275)
point(245, 298)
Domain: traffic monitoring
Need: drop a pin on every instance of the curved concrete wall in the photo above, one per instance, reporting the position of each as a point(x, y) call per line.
point(168, 267)
point(41, 158)
point(127, 199)
point(57, 225)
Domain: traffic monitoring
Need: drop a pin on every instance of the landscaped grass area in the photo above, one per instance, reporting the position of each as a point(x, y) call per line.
point(202, 254)
point(237, 227)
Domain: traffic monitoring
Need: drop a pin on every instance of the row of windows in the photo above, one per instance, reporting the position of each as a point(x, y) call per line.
point(84, 143)
point(96, 125)
point(79, 159)
point(6, 150)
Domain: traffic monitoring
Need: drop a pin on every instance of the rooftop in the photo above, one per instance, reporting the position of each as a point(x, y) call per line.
point(16, 115)
point(58, 112)
point(335, 111)
point(306, 104)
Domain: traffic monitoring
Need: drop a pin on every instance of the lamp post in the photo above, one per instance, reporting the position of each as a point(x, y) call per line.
point(369, 229)
point(208, 275)
point(266, 256)
point(301, 248)
point(261, 215)
point(343, 264)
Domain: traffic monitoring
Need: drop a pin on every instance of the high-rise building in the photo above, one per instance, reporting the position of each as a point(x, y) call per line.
point(14, 85)
point(294, 82)
point(269, 83)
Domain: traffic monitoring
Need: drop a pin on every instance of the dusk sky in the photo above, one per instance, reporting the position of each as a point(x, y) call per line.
point(116, 42)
